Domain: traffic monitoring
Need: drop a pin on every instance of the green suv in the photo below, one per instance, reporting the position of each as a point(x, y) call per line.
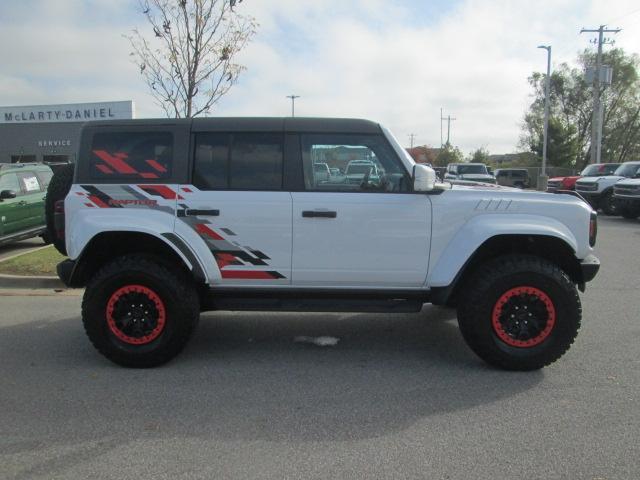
point(23, 187)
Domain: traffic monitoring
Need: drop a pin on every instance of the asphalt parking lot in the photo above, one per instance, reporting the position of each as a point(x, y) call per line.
point(400, 396)
point(22, 246)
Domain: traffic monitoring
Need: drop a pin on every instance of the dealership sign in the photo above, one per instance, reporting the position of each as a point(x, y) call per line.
point(76, 112)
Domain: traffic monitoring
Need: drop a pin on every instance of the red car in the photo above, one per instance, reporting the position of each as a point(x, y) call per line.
point(569, 183)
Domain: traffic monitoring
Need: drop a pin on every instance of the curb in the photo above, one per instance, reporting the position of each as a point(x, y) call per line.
point(31, 282)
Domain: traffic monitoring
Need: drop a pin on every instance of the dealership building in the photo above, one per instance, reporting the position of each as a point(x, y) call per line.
point(51, 133)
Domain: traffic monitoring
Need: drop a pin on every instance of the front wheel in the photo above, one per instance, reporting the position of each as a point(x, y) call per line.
point(519, 312)
point(608, 204)
point(139, 313)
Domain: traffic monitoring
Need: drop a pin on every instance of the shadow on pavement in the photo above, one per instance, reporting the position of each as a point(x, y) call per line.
point(243, 378)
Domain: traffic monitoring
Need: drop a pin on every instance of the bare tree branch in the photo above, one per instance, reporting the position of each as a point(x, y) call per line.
point(188, 57)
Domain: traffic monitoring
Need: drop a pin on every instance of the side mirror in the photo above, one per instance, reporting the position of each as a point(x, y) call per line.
point(6, 194)
point(424, 178)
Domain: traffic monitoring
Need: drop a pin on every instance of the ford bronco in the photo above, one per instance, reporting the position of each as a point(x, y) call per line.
point(164, 219)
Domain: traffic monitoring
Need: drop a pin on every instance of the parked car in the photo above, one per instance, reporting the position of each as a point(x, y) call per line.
point(473, 172)
point(569, 183)
point(357, 170)
point(513, 177)
point(598, 191)
point(321, 171)
point(626, 196)
point(22, 192)
point(165, 219)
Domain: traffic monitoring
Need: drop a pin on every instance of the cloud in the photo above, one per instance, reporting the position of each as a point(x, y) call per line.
point(394, 62)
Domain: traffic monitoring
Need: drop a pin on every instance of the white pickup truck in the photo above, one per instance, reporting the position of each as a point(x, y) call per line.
point(167, 218)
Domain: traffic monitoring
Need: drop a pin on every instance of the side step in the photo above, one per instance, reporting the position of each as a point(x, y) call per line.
point(314, 301)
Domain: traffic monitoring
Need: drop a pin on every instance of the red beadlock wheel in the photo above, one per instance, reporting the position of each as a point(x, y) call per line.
point(523, 317)
point(136, 315)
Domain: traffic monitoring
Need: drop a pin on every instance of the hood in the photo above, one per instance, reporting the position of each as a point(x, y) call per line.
point(630, 181)
point(469, 185)
point(476, 176)
point(560, 179)
point(601, 177)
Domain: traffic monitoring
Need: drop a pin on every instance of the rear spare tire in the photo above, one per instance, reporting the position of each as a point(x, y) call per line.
point(58, 189)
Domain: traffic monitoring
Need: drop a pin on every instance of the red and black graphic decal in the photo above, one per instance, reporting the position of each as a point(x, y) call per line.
point(161, 191)
point(117, 164)
point(98, 198)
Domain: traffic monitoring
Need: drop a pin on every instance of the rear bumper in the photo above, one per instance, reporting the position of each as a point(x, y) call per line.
point(589, 267)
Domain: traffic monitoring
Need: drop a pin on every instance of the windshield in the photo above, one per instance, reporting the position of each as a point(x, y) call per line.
point(601, 169)
point(628, 169)
point(467, 169)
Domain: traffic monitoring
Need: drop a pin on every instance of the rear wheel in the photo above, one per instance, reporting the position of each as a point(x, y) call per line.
point(608, 204)
point(139, 313)
point(58, 189)
point(519, 312)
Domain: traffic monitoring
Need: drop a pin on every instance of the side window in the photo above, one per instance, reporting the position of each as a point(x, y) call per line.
point(45, 177)
point(244, 161)
point(351, 163)
point(9, 181)
point(29, 182)
point(131, 155)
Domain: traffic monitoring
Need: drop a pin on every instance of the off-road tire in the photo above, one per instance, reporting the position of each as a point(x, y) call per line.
point(488, 285)
point(180, 308)
point(58, 189)
point(608, 205)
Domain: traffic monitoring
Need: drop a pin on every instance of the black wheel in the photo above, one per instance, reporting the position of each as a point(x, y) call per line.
point(608, 204)
point(58, 189)
point(46, 237)
point(138, 312)
point(519, 312)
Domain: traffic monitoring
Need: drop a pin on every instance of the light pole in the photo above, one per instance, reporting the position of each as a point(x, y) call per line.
point(293, 104)
point(542, 181)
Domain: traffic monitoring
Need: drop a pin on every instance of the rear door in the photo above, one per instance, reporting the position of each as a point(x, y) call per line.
point(371, 233)
point(237, 205)
point(34, 196)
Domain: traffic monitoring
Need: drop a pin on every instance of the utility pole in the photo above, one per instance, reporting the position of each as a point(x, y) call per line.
point(293, 104)
point(412, 136)
point(448, 118)
point(596, 124)
point(441, 144)
point(542, 181)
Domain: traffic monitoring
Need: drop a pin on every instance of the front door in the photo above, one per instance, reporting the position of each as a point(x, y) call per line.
point(238, 207)
point(362, 227)
point(14, 212)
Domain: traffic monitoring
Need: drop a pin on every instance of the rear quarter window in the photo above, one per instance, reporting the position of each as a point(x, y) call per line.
point(131, 155)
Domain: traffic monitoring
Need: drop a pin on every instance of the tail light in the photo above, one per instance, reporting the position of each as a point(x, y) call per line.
point(593, 228)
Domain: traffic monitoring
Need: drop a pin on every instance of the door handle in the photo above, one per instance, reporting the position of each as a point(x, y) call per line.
point(318, 214)
point(208, 213)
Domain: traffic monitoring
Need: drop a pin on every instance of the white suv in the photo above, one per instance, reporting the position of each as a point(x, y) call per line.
point(168, 218)
point(599, 191)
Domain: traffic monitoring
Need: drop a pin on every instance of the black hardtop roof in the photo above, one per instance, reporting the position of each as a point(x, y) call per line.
point(255, 124)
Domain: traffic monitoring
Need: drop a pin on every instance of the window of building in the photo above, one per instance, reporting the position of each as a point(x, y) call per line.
point(351, 163)
point(55, 158)
point(244, 161)
point(23, 159)
point(131, 155)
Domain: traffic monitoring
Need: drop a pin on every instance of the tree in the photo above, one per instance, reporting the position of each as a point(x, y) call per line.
point(188, 60)
point(448, 155)
point(571, 107)
point(481, 155)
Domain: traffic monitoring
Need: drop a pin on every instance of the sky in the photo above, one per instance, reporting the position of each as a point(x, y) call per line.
point(397, 62)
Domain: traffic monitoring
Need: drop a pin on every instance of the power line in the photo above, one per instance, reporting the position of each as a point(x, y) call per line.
point(448, 118)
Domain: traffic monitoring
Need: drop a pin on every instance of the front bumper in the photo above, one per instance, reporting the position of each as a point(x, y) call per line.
point(627, 201)
point(589, 267)
point(592, 197)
